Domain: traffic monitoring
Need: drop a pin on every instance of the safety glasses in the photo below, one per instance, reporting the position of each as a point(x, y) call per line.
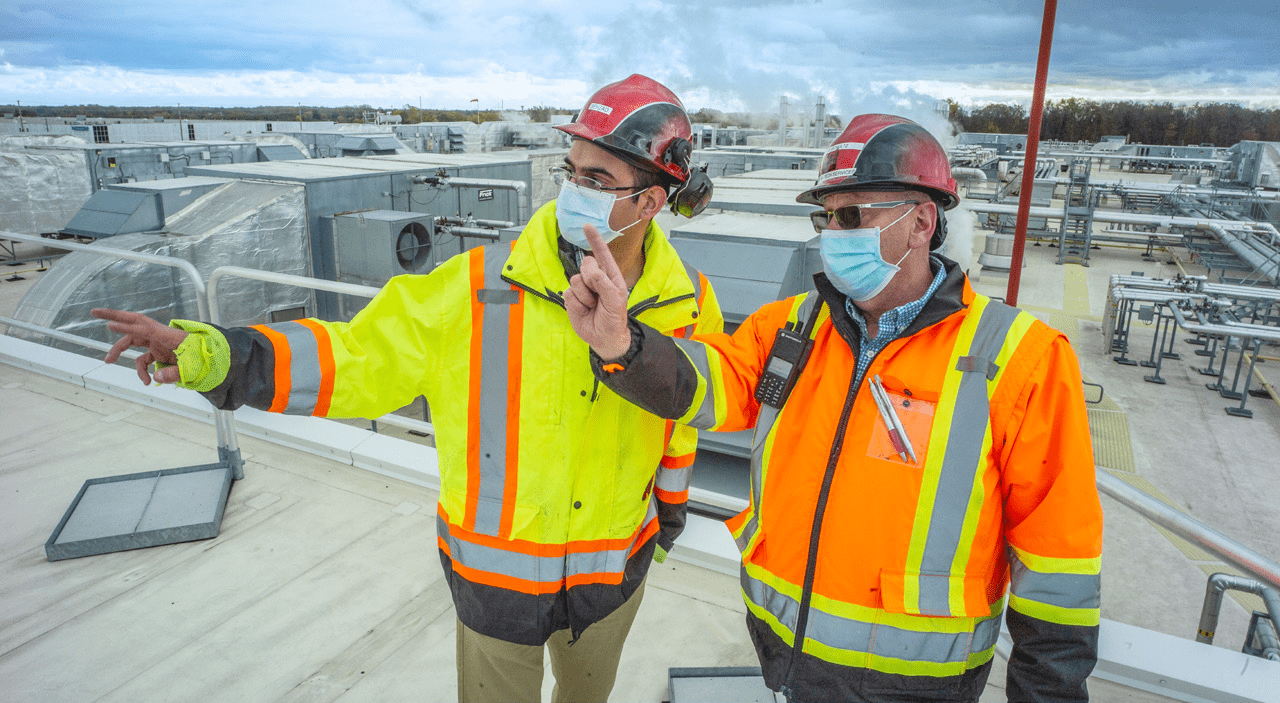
point(559, 175)
point(850, 216)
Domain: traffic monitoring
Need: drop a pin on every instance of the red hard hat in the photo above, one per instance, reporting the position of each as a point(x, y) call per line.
point(639, 119)
point(878, 152)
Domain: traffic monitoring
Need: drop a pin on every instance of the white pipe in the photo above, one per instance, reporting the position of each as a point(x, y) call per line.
point(968, 174)
point(521, 189)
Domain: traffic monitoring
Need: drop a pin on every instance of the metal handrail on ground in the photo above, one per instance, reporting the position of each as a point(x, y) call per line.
point(315, 284)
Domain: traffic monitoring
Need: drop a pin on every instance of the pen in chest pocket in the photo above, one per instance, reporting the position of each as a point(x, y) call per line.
point(897, 433)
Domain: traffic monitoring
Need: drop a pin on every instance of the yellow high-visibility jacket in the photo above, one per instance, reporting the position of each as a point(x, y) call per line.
point(553, 490)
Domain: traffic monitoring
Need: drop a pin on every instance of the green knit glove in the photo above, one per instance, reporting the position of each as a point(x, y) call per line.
point(659, 554)
point(204, 357)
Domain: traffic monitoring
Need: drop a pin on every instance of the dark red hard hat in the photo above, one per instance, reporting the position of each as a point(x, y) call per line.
point(638, 118)
point(877, 152)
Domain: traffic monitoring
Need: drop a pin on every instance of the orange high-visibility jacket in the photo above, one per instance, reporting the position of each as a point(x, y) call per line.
point(553, 490)
point(895, 571)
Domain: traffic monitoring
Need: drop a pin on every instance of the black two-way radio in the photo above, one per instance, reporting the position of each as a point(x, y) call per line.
point(787, 358)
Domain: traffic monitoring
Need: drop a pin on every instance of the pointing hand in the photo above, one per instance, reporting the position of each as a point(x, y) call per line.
point(597, 301)
point(141, 331)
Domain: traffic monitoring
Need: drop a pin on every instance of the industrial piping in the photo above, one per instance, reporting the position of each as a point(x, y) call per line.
point(1265, 265)
point(521, 189)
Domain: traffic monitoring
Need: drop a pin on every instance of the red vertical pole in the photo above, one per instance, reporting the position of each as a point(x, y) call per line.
point(1033, 150)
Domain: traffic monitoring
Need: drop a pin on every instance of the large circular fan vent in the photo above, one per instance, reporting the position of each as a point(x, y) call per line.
point(413, 247)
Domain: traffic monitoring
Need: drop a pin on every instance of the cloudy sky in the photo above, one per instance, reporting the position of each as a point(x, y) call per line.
point(732, 55)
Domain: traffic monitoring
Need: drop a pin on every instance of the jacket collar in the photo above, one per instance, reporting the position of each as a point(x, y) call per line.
point(953, 295)
point(664, 284)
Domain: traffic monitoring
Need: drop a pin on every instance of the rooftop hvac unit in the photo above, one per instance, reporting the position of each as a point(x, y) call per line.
point(457, 143)
point(375, 245)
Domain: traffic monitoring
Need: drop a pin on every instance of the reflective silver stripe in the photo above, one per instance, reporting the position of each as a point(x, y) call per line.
point(962, 464)
point(499, 561)
point(806, 307)
point(878, 639)
point(304, 367)
point(697, 353)
point(548, 569)
point(692, 273)
point(1061, 590)
point(494, 352)
point(764, 425)
point(674, 480)
point(748, 531)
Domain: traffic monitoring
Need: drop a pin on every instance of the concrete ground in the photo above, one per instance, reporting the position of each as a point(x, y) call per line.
point(324, 583)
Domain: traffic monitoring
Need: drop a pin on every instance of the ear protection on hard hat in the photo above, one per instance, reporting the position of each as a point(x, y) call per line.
point(694, 194)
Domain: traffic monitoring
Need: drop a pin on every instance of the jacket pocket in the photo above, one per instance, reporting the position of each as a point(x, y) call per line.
point(934, 595)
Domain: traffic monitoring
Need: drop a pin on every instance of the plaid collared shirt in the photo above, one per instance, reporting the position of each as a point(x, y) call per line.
point(892, 323)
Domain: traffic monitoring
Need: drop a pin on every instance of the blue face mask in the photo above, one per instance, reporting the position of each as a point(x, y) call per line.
point(578, 207)
point(852, 261)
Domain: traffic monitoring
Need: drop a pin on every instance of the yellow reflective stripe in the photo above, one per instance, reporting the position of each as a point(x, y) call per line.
point(901, 621)
point(1087, 617)
point(937, 452)
point(977, 659)
point(1021, 324)
point(969, 528)
point(716, 380)
point(869, 637)
point(1089, 566)
point(891, 665)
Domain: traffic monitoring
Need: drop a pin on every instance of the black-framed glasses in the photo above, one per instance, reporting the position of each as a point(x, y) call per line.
point(560, 174)
point(850, 216)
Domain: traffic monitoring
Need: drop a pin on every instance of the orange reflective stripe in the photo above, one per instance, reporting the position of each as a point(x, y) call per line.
point(648, 530)
point(487, 578)
point(671, 496)
point(703, 286)
point(324, 352)
point(283, 359)
point(736, 522)
point(476, 270)
point(536, 549)
point(678, 462)
point(515, 358)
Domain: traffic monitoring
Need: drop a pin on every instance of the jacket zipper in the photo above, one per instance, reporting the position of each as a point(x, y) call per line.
point(811, 566)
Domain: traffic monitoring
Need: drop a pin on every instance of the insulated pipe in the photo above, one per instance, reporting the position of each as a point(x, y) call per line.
point(480, 232)
point(520, 187)
point(491, 224)
point(1266, 265)
point(1238, 329)
point(1033, 144)
point(1213, 592)
point(968, 174)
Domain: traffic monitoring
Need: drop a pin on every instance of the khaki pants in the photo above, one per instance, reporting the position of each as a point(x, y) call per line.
point(493, 671)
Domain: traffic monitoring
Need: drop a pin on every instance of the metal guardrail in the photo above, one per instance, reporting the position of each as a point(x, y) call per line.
point(1190, 529)
point(228, 446)
point(289, 279)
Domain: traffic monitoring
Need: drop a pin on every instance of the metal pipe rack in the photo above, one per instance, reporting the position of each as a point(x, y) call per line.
point(1223, 318)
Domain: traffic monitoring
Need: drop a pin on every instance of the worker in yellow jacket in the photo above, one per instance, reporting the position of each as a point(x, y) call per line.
point(921, 456)
point(555, 493)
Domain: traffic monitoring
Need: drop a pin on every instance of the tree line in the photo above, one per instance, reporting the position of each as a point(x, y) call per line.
point(266, 113)
point(1077, 120)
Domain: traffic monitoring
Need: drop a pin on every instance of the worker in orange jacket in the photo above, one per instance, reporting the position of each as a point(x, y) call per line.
point(921, 456)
